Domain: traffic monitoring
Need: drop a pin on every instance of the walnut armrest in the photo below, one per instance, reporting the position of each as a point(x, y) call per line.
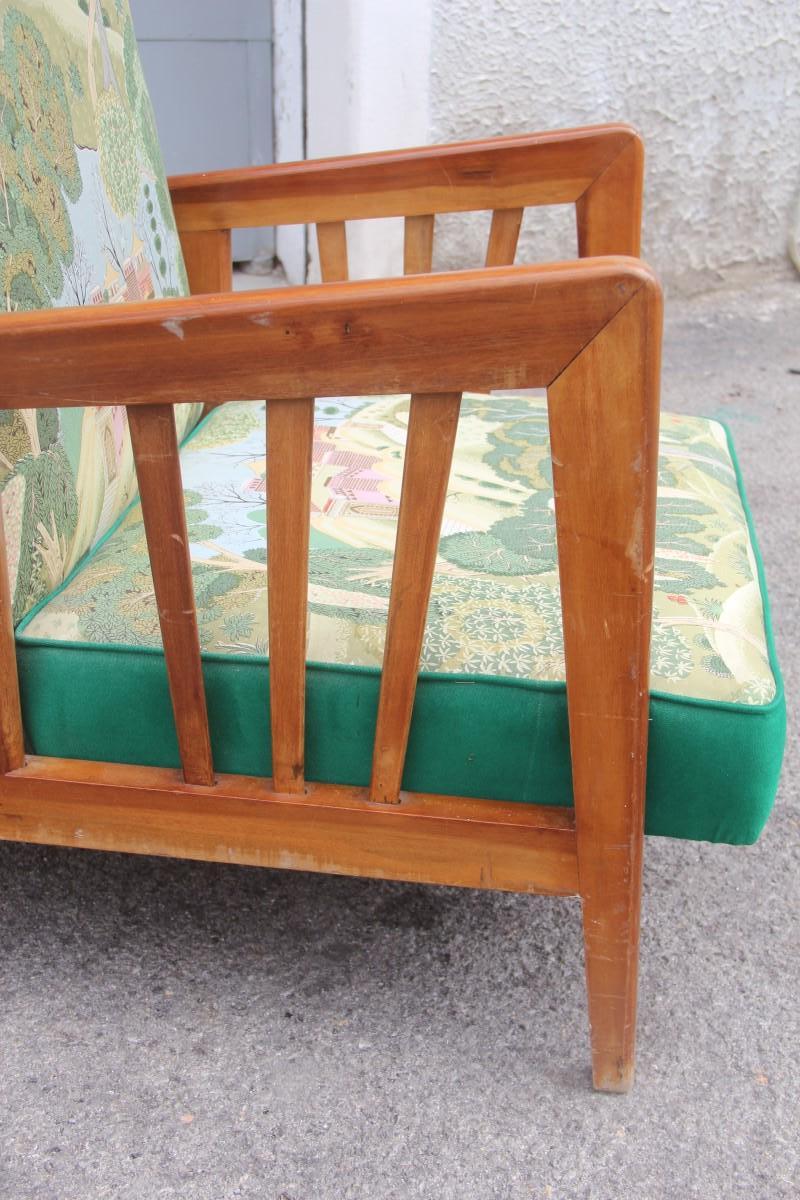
point(599, 169)
point(498, 328)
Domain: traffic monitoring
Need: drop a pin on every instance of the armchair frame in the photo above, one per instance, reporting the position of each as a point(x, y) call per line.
point(587, 331)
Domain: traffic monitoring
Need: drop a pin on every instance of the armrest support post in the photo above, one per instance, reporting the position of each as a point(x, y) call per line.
point(609, 213)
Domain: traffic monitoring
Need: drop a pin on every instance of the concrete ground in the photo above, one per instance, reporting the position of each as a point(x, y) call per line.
point(171, 1029)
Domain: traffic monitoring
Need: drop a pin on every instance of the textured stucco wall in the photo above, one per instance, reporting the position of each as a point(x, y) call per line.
point(713, 85)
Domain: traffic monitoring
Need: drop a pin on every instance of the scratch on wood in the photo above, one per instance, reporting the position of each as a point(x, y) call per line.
point(635, 545)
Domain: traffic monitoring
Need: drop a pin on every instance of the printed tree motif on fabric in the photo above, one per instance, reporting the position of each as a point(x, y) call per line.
point(43, 504)
point(520, 447)
point(494, 606)
point(39, 169)
point(524, 544)
point(85, 218)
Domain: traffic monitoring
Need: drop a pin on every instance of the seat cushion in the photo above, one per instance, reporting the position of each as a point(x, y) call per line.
point(85, 218)
point(490, 717)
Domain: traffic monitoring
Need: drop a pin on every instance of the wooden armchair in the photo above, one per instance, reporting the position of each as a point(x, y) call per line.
point(589, 332)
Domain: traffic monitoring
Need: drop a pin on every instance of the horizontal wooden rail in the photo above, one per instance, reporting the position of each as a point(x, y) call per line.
point(513, 172)
point(426, 839)
point(501, 328)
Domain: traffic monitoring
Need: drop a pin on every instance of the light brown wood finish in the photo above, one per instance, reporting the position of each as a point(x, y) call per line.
point(332, 242)
point(207, 255)
point(290, 435)
point(426, 470)
point(590, 331)
point(604, 439)
point(425, 839)
point(500, 328)
point(12, 744)
point(418, 244)
point(513, 172)
point(155, 452)
point(609, 213)
point(503, 237)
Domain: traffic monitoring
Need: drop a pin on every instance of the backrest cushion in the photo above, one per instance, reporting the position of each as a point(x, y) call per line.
point(85, 218)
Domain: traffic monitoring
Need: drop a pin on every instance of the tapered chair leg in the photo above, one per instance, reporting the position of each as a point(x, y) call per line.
point(611, 941)
point(604, 438)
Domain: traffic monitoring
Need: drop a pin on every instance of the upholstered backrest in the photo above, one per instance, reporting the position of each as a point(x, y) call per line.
point(85, 218)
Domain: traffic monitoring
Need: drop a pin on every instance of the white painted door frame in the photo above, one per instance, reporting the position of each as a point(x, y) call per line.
point(350, 76)
point(289, 119)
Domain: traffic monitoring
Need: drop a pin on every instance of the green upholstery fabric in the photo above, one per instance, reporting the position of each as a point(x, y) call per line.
point(490, 714)
point(85, 218)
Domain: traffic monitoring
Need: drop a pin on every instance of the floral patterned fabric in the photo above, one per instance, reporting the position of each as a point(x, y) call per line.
point(495, 606)
point(85, 218)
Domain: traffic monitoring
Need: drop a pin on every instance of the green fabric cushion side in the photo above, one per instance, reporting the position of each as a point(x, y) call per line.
point(712, 770)
point(712, 773)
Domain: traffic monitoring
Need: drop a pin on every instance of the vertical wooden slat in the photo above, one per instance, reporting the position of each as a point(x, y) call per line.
point(12, 745)
point(332, 242)
point(604, 434)
point(503, 237)
point(418, 245)
point(155, 452)
point(207, 254)
point(429, 450)
point(290, 434)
